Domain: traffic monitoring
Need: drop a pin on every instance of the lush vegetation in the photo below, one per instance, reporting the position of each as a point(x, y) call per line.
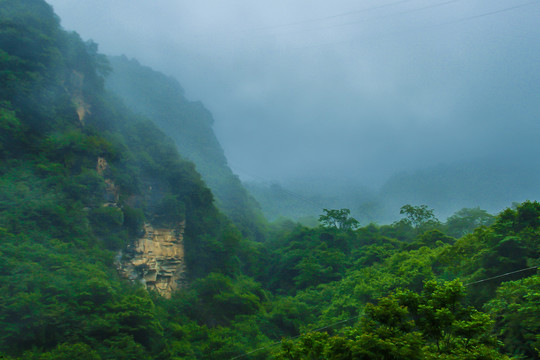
point(467, 288)
point(63, 218)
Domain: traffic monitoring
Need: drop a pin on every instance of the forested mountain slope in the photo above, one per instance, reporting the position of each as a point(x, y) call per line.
point(189, 124)
point(84, 183)
point(81, 179)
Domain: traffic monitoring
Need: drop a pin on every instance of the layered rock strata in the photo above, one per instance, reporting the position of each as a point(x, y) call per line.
point(156, 260)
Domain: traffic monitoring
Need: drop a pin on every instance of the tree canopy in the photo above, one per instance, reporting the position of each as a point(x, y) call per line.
point(339, 219)
point(337, 291)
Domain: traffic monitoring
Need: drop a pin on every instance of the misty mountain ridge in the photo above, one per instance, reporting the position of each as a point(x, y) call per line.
point(360, 99)
point(112, 246)
point(161, 99)
point(491, 183)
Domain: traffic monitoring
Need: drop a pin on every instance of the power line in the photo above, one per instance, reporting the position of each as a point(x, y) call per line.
point(412, 30)
point(258, 31)
point(502, 275)
point(427, 7)
point(319, 19)
point(352, 12)
point(358, 316)
point(253, 32)
point(494, 12)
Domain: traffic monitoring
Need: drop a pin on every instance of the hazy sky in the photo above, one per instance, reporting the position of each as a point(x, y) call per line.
point(349, 89)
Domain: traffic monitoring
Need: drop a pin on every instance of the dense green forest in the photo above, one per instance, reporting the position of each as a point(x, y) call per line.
point(83, 174)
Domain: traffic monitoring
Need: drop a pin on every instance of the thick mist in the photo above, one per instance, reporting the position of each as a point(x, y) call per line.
point(343, 92)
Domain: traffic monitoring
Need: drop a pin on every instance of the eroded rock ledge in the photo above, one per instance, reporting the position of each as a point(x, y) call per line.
point(156, 260)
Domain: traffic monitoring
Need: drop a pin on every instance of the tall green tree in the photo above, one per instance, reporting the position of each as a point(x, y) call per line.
point(435, 324)
point(421, 218)
point(516, 308)
point(466, 220)
point(338, 219)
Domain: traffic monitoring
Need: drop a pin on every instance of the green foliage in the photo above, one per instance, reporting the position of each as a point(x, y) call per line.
point(421, 218)
point(406, 325)
point(526, 215)
point(516, 307)
point(322, 266)
point(63, 220)
point(170, 209)
point(339, 219)
point(133, 220)
point(68, 351)
point(11, 132)
point(466, 220)
point(309, 258)
point(62, 217)
point(431, 239)
point(221, 298)
point(286, 317)
point(309, 346)
point(387, 333)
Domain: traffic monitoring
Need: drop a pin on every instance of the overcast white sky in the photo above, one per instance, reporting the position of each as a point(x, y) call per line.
point(346, 89)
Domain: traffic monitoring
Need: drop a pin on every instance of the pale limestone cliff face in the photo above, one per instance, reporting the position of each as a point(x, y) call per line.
point(82, 108)
point(156, 260)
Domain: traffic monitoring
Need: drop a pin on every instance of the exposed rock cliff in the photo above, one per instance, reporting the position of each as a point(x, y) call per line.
point(81, 106)
point(156, 260)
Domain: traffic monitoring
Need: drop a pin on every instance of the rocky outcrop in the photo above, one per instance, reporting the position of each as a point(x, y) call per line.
point(156, 260)
point(82, 108)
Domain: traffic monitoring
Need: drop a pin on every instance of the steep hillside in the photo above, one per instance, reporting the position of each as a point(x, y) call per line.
point(189, 123)
point(60, 126)
point(86, 187)
point(102, 224)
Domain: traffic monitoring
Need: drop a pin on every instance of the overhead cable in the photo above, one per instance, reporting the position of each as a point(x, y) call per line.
point(358, 316)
